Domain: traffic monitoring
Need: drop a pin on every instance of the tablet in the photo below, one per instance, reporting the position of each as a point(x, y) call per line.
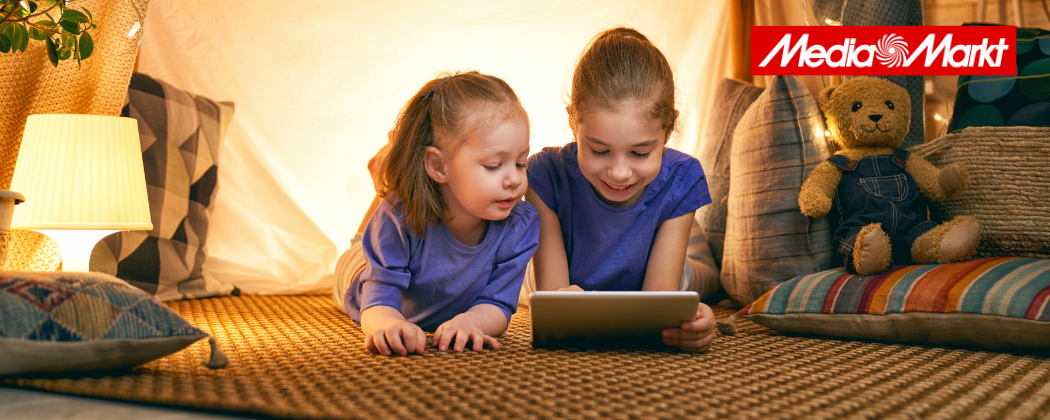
point(621, 320)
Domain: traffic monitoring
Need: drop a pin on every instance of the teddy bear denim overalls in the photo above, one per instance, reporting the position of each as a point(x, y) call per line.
point(877, 189)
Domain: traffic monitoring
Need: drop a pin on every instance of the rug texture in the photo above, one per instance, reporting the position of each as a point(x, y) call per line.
point(299, 357)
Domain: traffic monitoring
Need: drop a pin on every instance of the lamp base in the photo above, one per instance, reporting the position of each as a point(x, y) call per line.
point(76, 245)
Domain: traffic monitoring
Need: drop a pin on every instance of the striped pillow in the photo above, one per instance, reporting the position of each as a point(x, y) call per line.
point(768, 240)
point(1001, 303)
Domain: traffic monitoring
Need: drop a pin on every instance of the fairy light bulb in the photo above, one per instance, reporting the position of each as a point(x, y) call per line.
point(134, 29)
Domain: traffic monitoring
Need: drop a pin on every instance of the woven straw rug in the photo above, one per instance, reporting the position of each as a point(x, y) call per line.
point(297, 356)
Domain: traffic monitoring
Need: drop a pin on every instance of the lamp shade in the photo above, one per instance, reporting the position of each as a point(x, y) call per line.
point(81, 172)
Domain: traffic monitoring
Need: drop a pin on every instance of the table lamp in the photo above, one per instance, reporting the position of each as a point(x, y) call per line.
point(82, 178)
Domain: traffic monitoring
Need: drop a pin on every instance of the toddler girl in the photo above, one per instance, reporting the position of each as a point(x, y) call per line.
point(445, 250)
point(615, 204)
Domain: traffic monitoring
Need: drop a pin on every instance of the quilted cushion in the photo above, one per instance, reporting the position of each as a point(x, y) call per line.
point(71, 321)
point(999, 303)
point(768, 240)
point(1019, 100)
point(181, 135)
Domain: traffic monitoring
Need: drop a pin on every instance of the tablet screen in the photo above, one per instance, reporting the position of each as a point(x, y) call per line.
point(608, 320)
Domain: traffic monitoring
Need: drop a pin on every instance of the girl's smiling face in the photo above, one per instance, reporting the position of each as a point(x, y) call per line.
point(620, 151)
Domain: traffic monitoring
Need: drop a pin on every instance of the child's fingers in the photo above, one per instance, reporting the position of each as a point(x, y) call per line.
point(446, 339)
point(705, 320)
point(409, 338)
point(689, 341)
point(461, 340)
point(699, 345)
point(421, 341)
point(477, 338)
point(492, 342)
point(370, 344)
point(393, 339)
point(379, 340)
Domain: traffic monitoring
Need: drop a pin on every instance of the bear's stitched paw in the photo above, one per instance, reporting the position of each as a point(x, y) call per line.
point(814, 205)
point(951, 180)
point(960, 242)
point(871, 253)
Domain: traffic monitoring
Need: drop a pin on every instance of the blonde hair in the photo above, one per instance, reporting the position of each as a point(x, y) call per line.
point(621, 64)
point(440, 114)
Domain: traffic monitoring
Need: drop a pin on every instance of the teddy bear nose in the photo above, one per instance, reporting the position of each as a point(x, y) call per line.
point(875, 117)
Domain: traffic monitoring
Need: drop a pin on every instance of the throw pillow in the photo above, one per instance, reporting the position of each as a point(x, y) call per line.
point(777, 142)
point(732, 98)
point(1019, 100)
point(181, 136)
point(999, 303)
point(63, 321)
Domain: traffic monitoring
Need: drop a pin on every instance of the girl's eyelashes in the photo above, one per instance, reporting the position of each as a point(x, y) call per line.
point(521, 165)
point(494, 167)
point(635, 154)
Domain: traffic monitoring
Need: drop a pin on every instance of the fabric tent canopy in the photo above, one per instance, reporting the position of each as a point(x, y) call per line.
point(317, 86)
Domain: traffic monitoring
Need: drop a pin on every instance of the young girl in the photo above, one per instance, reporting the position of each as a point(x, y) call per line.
point(615, 204)
point(446, 248)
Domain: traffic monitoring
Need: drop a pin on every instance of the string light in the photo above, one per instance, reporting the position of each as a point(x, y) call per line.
point(134, 29)
point(827, 133)
point(938, 117)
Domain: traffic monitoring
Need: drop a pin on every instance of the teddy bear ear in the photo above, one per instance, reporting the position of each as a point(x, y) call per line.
point(824, 98)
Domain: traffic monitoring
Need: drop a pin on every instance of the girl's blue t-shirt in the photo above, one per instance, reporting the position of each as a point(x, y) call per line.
point(432, 278)
point(607, 248)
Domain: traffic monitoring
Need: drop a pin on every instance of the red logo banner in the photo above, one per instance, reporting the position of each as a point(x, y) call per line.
point(884, 50)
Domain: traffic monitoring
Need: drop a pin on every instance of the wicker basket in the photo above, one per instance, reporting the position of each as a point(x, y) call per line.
point(1009, 190)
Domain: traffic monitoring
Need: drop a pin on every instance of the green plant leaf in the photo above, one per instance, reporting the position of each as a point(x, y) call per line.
point(88, 13)
point(16, 38)
point(52, 52)
point(32, 6)
point(87, 46)
point(35, 34)
point(45, 23)
point(25, 37)
point(74, 16)
point(70, 26)
point(5, 43)
point(64, 54)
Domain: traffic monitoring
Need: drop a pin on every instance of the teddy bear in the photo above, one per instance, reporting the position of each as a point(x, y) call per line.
point(880, 190)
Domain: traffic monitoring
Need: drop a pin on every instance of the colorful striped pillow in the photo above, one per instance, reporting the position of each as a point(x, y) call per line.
point(1001, 303)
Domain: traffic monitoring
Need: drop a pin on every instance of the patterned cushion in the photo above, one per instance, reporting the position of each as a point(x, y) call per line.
point(732, 98)
point(997, 101)
point(181, 136)
point(1001, 303)
point(57, 322)
point(777, 142)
